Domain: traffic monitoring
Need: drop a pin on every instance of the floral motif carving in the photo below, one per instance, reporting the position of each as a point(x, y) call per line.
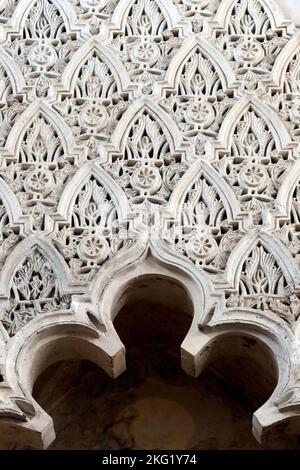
point(251, 42)
point(146, 44)
point(263, 286)
point(34, 292)
point(204, 232)
point(198, 104)
point(95, 106)
point(43, 47)
point(39, 171)
point(285, 100)
point(288, 229)
point(190, 113)
point(148, 170)
point(94, 233)
point(254, 165)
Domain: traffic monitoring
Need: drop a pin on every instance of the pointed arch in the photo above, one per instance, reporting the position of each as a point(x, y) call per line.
point(267, 338)
point(154, 259)
point(96, 224)
point(136, 109)
point(81, 178)
point(105, 54)
point(65, 8)
point(286, 67)
point(269, 9)
point(151, 258)
point(41, 146)
point(146, 39)
point(253, 152)
point(214, 59)
point(272, 245)
point(165, 6)
point(188, 180)
point(46, 341)
point(196, 93)
point(21, 253)
point(36, 109)
point(206, 223)
point(287, 189)
point(278, 129)
point(14, 80)
point(146, 158)
point(263, 278)
point(242, 30)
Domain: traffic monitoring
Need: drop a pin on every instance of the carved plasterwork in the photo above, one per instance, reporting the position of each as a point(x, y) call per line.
point(146, 137)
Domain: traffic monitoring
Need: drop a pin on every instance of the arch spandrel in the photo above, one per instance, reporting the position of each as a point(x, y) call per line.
point(284, 95)
point(198, 205)
point(147, 35)
point(146, 149)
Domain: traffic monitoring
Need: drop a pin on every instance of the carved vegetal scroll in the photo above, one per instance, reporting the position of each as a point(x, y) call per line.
point(254, 164)
point(43, 47)
point(96, 101)
point(263, 286)
point(94, 233)
point(199, 101)
point(284, 98)
point(147, 136)
point(148, 168)
point(204, 231)
point(251, 40)
point(146, 43)
point(39, 169)
point(34, 291)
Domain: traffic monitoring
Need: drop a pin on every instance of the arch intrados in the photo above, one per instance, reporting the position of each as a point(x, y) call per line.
point(154, 288)
point(225, 354)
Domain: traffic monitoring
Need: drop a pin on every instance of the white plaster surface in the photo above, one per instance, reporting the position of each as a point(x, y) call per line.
point(291, 9)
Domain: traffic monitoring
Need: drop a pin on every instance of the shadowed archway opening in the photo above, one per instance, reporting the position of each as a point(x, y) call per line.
point(154, 404)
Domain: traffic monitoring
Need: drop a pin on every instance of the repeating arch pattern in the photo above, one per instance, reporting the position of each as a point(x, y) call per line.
point(156, 136)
